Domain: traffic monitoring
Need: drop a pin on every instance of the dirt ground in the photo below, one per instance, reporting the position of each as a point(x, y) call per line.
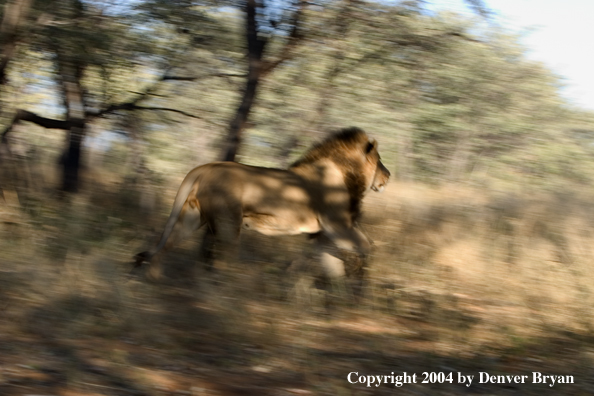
point(460, 283)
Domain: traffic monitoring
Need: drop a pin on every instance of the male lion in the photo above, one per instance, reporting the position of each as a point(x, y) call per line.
point(320, 193)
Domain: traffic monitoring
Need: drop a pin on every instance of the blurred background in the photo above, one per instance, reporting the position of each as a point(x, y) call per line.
point(483, 239)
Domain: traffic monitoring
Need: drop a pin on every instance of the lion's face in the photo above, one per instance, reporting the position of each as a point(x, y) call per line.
point(380, 180)
point(380, 176)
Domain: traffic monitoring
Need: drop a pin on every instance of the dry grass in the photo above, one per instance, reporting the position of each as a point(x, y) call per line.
point(460, 281)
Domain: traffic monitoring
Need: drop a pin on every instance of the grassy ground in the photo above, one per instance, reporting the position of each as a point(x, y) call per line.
point(460, 282)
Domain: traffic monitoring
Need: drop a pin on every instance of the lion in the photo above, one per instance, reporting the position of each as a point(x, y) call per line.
point(320, 194)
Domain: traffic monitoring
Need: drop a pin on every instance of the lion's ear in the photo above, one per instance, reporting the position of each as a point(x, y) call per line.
point(370, 146)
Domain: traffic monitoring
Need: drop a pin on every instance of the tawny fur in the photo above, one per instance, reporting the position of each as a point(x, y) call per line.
point(320, 192)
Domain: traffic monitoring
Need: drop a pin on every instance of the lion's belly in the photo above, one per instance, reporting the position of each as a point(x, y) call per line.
point(289, 223)
point(278, 204)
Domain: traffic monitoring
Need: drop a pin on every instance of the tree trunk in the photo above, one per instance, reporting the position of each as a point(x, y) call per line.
point(71, 73)
point(71, 160)
point(72, 154)
point(256, 47)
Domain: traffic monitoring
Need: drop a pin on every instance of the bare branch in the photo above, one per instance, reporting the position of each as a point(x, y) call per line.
point(24, 115)
point(196, 78)
point(133, 104)
point(293, 41)
point(167, 109)
point(152, 94)
point(50, 123)
point(128, 106)
point(480, 8)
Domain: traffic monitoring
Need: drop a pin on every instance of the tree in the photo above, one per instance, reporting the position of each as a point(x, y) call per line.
point(258, 37)
point(87, 44)
point(446, 95)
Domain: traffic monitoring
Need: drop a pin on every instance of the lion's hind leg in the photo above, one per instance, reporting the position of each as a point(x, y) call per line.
point(221, 242)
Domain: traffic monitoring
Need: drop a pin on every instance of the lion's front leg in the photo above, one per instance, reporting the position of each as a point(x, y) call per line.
point(344, 271)
point(337, 262)
point(346, 236)
point(332, 266)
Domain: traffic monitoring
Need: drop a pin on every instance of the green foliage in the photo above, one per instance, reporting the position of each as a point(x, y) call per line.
point(449, 98)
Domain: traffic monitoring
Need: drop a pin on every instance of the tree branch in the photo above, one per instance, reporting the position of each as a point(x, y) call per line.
point(293, 41)
point(196, 78)
point(135, 107)
point(50, 123)
point(24, 115)
point(133, 104)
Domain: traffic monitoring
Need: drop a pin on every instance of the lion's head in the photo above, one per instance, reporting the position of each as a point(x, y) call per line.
point(357, 157)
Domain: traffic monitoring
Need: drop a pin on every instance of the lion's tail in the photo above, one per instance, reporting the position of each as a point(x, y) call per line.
point(187, 191)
